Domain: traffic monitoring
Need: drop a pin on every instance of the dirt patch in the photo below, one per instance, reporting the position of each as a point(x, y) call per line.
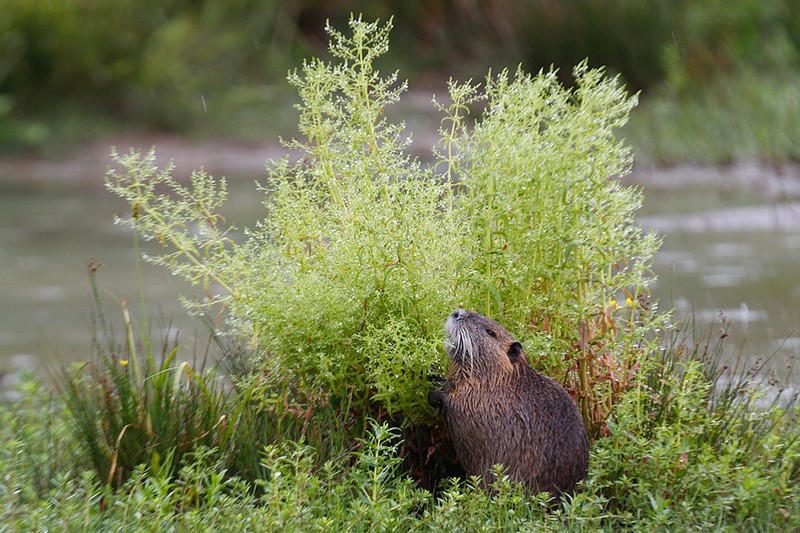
point(86, 165)
point(773, 182)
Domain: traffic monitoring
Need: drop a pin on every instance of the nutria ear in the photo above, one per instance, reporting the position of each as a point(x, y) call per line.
point(515, 352)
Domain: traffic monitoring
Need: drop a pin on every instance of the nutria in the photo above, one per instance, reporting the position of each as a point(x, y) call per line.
point(497, 409)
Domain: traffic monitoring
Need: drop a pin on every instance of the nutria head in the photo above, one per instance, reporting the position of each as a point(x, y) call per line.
point(479, 347)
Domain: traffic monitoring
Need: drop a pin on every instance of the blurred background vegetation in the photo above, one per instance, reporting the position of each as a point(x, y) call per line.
point(720, 80)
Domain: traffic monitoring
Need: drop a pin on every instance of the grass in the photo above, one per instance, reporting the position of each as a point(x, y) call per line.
point(143, 402)
point(740, 117)
point(151, 407)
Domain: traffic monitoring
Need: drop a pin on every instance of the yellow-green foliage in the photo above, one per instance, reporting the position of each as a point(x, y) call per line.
point(345, 286)
point(357, 240)
point(554, 237)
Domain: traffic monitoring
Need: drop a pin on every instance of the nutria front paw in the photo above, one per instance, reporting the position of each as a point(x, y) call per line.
point(436, 398)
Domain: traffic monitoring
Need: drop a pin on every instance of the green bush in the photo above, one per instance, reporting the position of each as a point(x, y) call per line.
point(344, 287)
point(728, 119)
point(553, 246)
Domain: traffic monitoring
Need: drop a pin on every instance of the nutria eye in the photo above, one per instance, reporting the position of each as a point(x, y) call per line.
point(491, 333)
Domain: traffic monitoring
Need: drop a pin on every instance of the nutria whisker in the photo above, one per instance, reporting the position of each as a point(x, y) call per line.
point(463, 349)
point(467, 349)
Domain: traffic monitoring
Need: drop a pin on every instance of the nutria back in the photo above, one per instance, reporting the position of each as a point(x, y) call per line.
point(498, 409)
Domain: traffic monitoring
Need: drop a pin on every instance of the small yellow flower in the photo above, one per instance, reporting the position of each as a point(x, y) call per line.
point(123, 362)
point(628, 301)
point(614, 304)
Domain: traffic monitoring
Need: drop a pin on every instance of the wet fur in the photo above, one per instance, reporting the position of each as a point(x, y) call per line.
point(500, 410)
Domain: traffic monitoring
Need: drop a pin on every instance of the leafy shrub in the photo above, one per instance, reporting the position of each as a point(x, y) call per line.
point(344, 287)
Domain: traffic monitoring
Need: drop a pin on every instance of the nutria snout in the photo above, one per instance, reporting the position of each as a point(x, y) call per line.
point(499, 410)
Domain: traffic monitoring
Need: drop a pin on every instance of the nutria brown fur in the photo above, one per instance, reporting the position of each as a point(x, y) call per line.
point(500, 410)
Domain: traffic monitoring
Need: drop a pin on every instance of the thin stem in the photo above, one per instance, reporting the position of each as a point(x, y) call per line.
point(140, 285)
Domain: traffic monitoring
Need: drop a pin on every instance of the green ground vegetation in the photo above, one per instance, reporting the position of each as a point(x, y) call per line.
point(330, 310)
point(687, 448)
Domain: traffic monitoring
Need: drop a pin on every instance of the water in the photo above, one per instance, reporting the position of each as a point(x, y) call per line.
point(732, 249)
point(729, 247)
point(47, 238)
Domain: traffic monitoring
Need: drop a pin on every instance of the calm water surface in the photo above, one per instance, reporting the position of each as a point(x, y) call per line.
point(726, 249)
point(732, 253)
point(47, 238)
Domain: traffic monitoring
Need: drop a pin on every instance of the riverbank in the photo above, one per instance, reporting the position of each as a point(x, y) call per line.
point(86, 165)
point(692, 476)
point(50, 232)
